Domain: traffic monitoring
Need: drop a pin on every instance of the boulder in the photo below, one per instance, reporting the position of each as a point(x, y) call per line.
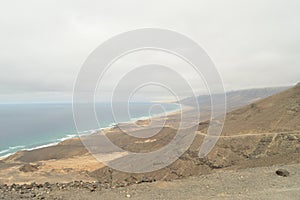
point(282, 172)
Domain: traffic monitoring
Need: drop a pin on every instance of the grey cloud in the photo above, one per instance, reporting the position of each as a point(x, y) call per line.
point(44, 43)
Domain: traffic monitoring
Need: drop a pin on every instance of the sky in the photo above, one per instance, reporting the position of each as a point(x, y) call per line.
point(45, 43)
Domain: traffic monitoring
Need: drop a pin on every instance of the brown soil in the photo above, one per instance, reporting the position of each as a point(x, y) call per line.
point(263, 134)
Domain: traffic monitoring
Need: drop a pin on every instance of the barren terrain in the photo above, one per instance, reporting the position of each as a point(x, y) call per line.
point(257, 140)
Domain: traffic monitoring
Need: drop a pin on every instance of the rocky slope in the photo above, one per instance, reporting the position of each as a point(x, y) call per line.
point(264, 133)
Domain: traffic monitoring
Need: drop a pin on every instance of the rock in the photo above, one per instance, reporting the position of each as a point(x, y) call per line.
point(28, 168)
point(282, 172)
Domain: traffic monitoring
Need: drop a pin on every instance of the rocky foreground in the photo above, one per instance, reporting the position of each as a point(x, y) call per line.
point(275, 182)
point(48, 190)
point(45, 190)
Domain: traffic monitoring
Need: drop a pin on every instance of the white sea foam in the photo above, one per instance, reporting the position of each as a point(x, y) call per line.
point(11, 150)
point(6, 155)
point(16, 147)
point(42, 146)
point(70, 136)
point(4, 151)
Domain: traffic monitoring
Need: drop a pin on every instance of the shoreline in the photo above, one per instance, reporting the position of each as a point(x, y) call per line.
point(87, 133)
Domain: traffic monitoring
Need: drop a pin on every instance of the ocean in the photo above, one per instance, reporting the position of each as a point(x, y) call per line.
point(31, 126)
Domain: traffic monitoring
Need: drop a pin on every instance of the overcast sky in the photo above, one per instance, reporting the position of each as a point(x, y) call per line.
point(43, 44)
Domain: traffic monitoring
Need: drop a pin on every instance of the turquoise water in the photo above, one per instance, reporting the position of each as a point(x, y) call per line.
point(29, 126)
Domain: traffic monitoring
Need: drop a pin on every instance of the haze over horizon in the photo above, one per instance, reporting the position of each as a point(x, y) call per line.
point(45, 43)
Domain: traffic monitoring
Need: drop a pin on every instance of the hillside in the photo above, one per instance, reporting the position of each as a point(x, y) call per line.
point(263, 134)
point(277, 113)
point(237, 99)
